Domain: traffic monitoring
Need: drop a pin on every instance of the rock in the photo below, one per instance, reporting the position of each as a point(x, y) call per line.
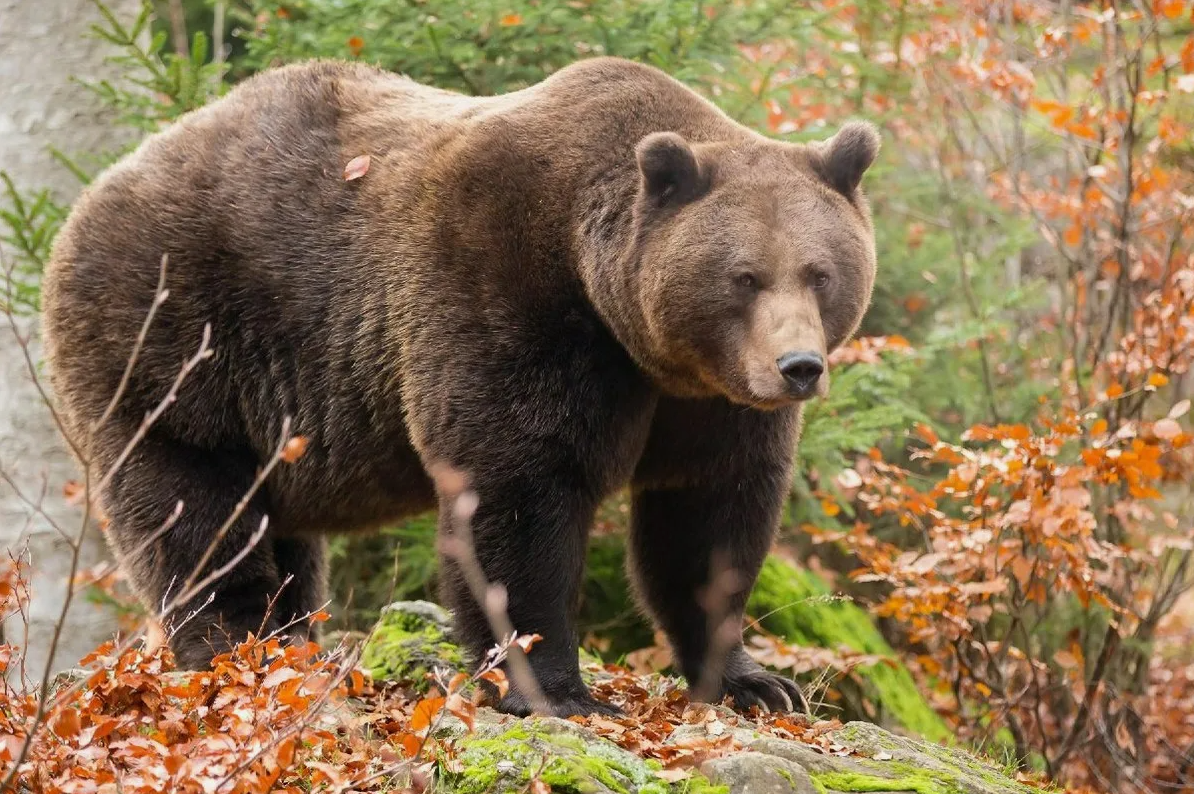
point(430, 613)
point(757, 773)
point(882, 761)
point(410, 641)
point(505, 754)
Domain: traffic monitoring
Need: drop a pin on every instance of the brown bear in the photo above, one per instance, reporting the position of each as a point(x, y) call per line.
point(594, 282)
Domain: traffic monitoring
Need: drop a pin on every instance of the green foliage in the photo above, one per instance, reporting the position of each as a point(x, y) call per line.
point(29, 226)
point(156, 85)
point(492, 47)
point(865, 402)
point(607, 607)
point(369, 571)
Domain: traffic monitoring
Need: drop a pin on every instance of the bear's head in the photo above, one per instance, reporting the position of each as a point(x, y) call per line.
point(751, 261)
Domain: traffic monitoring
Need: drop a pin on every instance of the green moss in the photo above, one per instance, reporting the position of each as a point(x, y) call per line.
point(406, 647)
point(798, 605)
point(921, 783)
point(569, 763)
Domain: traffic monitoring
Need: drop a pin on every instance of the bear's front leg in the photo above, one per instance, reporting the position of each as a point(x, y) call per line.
point(540, 428)
point(529, 537)
point(707, 499)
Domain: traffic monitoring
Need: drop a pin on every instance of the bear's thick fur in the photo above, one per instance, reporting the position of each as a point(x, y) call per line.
point(598, 281)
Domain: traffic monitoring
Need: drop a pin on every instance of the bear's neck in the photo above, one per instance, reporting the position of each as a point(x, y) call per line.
point(604, 231)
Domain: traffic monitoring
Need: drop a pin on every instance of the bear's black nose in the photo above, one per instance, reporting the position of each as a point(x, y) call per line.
point(801, 369)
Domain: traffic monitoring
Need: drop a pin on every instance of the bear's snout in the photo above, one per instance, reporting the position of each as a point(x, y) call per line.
point(802, 370)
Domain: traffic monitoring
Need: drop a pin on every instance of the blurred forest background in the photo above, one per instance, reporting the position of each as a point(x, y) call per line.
point(999, 480)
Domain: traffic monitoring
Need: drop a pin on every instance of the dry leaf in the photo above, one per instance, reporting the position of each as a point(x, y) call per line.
point(357, 167)
point(295, 448)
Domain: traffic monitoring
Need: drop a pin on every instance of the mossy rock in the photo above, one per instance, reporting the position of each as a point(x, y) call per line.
point(412, 638)
point(505, 754)
point(884, 762)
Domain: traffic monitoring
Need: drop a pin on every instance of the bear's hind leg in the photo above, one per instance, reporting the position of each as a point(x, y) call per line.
point(139, 499)
point(707, 500)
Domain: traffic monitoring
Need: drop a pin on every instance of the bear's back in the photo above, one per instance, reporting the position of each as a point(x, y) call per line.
point(246, 197)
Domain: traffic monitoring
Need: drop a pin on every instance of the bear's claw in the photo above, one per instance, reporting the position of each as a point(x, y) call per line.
point(768, 691)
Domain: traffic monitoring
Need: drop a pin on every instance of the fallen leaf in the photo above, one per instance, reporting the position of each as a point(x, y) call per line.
point(357, 167)
point(295, 448)
point(425, 712)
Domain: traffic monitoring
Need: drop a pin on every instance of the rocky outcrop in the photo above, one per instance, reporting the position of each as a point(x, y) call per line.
point(732, 755)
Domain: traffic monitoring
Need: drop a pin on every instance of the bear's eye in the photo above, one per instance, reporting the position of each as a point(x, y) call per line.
point(820, 281)
point(747, 281)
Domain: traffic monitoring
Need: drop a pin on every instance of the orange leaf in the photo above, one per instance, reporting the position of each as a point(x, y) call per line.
point(915, 302)
point(425, 712)
point(1170, 9)
point(527, 641)
point(1046, 105)
point(66, 723)
point(357, 167)
point(355, 45)
point(510, 20)
point(1062, 117)
point(174, 762)
point(1073, 236)
point(295, 448)
point(1158, 379)
point(1114, 390)
point(498, 679)
point(410, 744)
point(927, 434)
point(1082, 130)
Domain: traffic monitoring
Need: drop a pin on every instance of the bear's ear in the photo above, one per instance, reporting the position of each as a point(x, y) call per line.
point(843, 159)
point(669, 168)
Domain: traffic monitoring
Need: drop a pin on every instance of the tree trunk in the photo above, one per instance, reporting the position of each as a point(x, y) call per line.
point(42, 45)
